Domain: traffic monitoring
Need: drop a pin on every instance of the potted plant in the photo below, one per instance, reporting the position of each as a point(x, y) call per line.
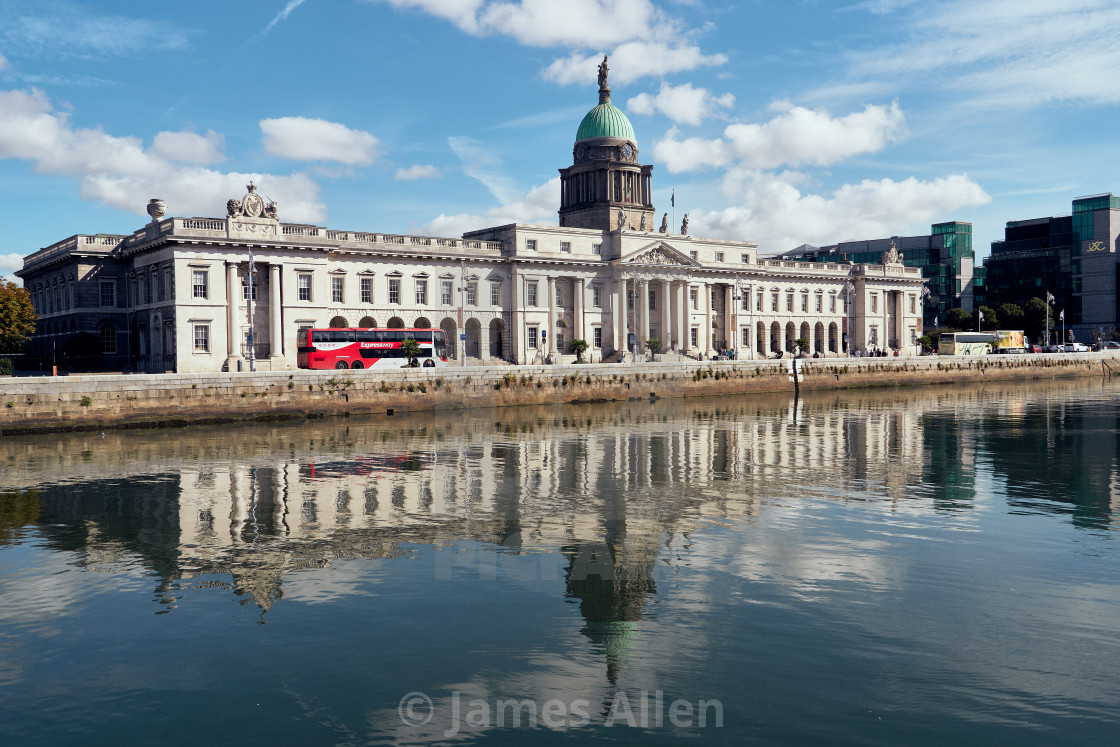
point(579, 347)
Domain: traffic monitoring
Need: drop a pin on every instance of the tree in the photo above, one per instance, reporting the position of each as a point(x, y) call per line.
point(579, 347)
point(802, 344)
point(959, 319)
point(1011, 315)
point(654, 345)
point(991, 319)
point(1034, 319)
point(411, 350)
point(17, 317)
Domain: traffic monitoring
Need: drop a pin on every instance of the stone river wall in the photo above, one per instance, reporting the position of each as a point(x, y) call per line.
point(90, 402)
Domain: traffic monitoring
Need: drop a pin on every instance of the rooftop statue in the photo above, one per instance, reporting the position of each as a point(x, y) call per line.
point(604, 86)
point(684, 225)
point(664, 224)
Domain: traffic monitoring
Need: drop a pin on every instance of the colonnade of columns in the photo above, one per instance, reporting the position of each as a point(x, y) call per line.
point(237, 313)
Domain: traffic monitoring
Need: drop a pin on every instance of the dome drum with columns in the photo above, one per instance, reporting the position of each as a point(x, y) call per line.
point(605, 177)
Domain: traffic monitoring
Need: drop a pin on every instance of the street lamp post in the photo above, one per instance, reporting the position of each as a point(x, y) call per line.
point(252, 298)
point(1049, 300)
point(849, 295)
point(462, 348)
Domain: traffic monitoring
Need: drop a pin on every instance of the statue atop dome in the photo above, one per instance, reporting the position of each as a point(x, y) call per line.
point(604, 86)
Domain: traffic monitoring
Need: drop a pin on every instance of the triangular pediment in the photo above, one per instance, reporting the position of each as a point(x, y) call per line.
point(659, 253)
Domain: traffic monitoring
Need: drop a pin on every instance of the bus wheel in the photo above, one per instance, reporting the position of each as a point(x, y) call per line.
point(356, 364)
point(341, 364)
point(429, 363)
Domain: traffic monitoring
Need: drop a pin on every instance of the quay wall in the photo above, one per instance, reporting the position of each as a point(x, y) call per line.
point(90, 402)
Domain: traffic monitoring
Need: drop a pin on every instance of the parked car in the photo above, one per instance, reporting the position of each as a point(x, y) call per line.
point(1032, 348)
point(1075, 347)
point(1052, 349)
point(1110, 345)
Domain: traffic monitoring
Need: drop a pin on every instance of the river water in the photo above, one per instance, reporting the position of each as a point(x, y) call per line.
point(919, 566)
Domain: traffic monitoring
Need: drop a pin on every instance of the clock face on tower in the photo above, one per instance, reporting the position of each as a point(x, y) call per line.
point(627, 151)
point(581, 151)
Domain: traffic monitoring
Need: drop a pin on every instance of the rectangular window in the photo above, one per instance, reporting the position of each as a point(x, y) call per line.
point(693, 299)
point(149, 286)
point(170, 285)
point(596, 248)
point(532, 343)
point(245, 287)
point(874, 302)
point(303, 286)
point(597, 336)
point(531, 244)
point(202, 338)
point(820, 303)
point(913, 303)
point(652, 300)
point(789, 302)
point(159, 283)
point(745, 301)
point(597, 296)
point(804, 302)
point(693, 336)
point(694, 254)
point(559, 296)
point(421, 292)
point(719, 256)
point(336, 288)
point(530, 294)
point(109, 340)
point(774, 301)
point(201, 283)
point(394, 290)
point(832, 303)
point(874, 337)
point(745, 337)
point(446, 292)
point(472, 294)
point(495, 293)
point(746, 259)
point(108, 293)
point(366, 289)
point(566, 247)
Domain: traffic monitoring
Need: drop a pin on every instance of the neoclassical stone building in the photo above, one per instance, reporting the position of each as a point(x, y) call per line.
point(179, 293)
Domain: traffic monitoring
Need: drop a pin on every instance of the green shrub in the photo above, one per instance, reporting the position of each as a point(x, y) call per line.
point(86, 401)
point(6, 367)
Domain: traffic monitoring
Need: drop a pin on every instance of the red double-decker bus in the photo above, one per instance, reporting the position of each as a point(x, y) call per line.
point(369, 348)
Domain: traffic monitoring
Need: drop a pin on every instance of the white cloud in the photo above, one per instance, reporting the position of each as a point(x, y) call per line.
point(69, 31)
point(9, 263)
point(303, 139)
point(189, 147)
point(121, 173)
point(283, 14)
point(538, 206)
point(419, 171)
point(773, 211)
point(480, 162)
point(1008, 53)
point(646, 40)
point(3, 62)
point(795, 137)
point(631, 61)
point(683, 103)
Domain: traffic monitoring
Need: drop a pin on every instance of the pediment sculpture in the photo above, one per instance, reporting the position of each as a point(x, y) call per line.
point(656, 255)
point(252, 205)
point(892, 257)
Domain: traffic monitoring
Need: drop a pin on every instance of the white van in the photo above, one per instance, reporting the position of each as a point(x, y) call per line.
point(1075, 347)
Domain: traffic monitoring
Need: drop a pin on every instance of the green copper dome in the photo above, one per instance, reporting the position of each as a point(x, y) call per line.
point(605, 120)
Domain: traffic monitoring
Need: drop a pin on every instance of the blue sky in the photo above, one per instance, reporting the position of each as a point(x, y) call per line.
point(784, 123)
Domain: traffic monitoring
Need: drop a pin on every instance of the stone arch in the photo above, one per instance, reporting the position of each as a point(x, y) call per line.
point(368, 322)
point(760, 337)
point(818, 338)
point(805, 334)
point(497, 339)
point(775, 337)
point(833, 338)
point(338, 322)
point(450, 333)
point(395, 323)
point(472, 328)
point(422, 322)
point(791, 335)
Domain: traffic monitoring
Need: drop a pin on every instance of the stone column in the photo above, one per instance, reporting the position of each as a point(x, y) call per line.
point(550, 344)
point(233, 329)
point(643, 307)
point(683, 315)
point(517, 319)
point(705, 336)
point(275, 313)
point(666, 316)
point(579, 290)
point(730, 317)
point(620, 314)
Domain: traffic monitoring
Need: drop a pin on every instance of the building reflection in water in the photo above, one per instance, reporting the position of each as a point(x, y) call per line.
point(608, 487)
